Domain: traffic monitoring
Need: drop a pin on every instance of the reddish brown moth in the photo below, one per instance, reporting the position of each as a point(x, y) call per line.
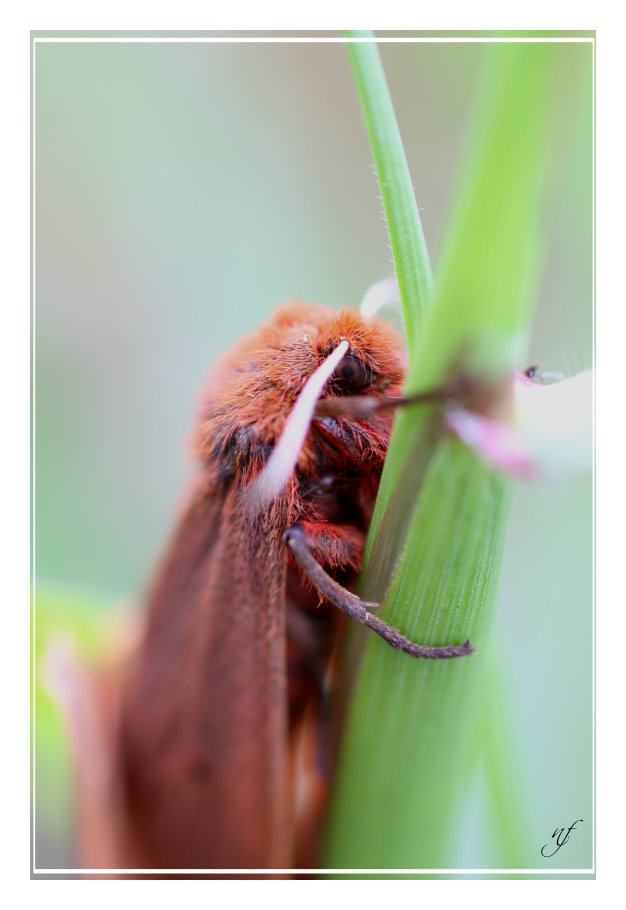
point(228, 690)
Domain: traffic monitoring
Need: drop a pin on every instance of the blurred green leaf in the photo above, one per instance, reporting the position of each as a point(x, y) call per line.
point(497, 758)
point(60, 615)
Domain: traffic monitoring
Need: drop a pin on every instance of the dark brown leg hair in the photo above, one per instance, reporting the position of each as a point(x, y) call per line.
point(355, 608)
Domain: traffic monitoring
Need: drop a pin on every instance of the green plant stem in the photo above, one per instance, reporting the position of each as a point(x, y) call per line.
point(406, 236)
point(437, 535)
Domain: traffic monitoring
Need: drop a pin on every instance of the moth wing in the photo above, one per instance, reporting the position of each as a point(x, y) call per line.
point(205, 725)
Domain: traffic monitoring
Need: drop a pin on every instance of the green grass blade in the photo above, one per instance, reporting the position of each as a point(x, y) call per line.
point(408, 738)
point(406, 236)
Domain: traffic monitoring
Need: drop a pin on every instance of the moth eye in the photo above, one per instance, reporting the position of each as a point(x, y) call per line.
point(351, 375)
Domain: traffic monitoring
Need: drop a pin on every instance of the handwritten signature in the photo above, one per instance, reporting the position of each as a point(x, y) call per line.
point(560, 840)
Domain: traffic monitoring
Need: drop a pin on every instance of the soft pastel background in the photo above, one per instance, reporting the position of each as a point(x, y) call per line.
point(181, 191)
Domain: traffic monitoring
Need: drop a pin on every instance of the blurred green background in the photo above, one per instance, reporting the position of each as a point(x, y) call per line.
point(181, 191)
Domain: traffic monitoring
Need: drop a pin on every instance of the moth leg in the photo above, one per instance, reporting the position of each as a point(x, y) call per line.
point(337, 546)
point(362, 406)
point(302, 550)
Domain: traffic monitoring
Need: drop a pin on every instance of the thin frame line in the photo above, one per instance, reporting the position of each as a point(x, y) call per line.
point(45, 39)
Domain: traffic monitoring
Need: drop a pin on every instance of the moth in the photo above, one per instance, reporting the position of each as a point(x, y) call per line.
point(228, 697)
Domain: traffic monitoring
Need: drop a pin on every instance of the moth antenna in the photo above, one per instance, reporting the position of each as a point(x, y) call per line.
point(548, 376)
point(276, 473)
point(383, 293)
